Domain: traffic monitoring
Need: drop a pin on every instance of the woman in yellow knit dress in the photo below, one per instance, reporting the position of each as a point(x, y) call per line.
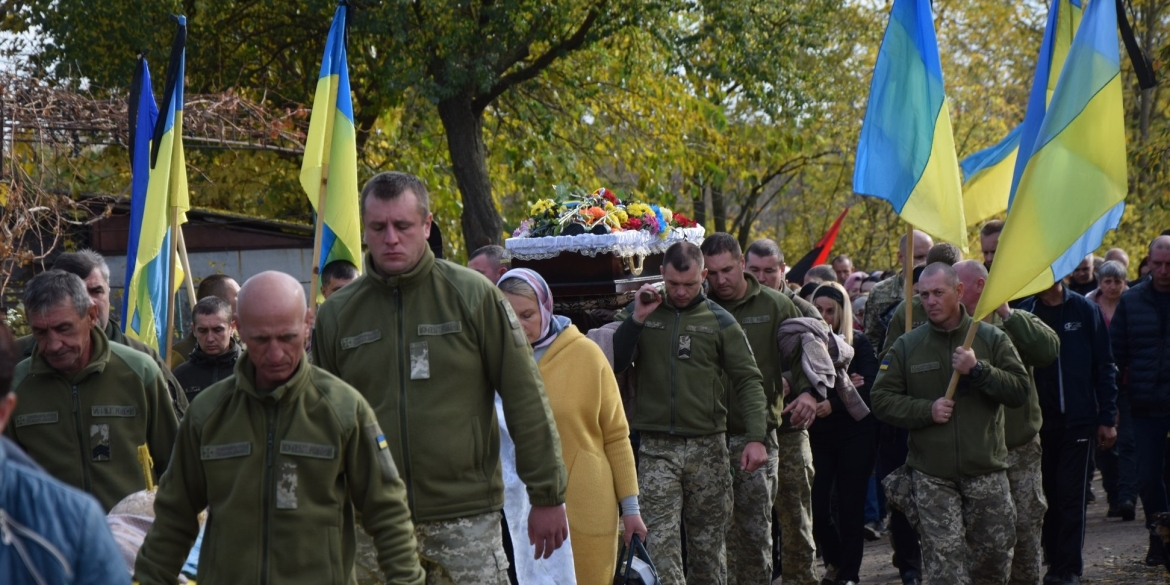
point(595, 445)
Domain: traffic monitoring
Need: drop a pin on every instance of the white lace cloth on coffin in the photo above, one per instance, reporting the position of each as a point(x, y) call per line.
point(628, 243)
point(555, 570)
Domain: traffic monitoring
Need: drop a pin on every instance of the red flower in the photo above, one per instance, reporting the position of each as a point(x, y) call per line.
point(684, 221)
point(633, 224)
point(607, 195)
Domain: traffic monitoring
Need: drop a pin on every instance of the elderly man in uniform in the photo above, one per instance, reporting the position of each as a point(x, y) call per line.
point(428, 344)
point(794, 477)
point(86, 403)
point(686, 345)
point(958, 458)
point(760, 311)
point(279, 451)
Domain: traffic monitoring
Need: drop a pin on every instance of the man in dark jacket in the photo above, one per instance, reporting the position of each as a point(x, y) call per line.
point(216, 350)
point(1078, 397)
point(1140, 332)
point(50, 529)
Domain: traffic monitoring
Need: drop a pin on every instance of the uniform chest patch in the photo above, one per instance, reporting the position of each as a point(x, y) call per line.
point(308, 450)
point(684, 347)
point(119, 411)
point(225, 451)
point(361, 339)
point(654, 325)
point(286, 485)
point(440, 329)
point(700, 329)
point(927, 367)
point(420, 361)
point(1072, 326)
point(36, 418)
point(99, 442)
point(756, 320)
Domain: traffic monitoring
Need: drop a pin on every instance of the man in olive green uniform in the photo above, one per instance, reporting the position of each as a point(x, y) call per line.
point(1038, 346)
point(87, 404)
point(958, 458)
point(760, 311)
point(686, 345)
point(794, 464)
point(91, 267)
point(428, 344)
point(283, 454)
point(889, 292)
point(944, 252)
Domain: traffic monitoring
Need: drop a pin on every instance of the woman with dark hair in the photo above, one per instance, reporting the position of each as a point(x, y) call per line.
point(843, 449)
point(583, 395)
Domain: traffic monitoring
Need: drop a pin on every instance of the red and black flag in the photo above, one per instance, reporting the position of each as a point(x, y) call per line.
point(819, 254)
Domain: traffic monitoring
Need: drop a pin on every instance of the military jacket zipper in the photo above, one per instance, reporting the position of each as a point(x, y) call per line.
point(403, 363)
point(81, 440)
point(270, 424)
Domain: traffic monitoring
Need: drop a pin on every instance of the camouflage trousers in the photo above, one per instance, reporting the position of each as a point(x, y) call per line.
point(749, 536)
point(794, 479)
point(686, 479)
point(1027, 491)
point(463, 551)
point(968, 528)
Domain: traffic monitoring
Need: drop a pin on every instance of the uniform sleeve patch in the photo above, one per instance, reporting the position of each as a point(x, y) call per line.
point(885, 364)
point(226, 451)
point(361, 339)
point(440, 329)
point(518, 337)
point(118, 411)
point(315, 451)
point(382, 451)
point(36, 418)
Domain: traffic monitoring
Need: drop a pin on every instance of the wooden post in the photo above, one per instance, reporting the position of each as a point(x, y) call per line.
point(171, 285)
point(966, 345)
point(318, 232)
point(187, 276)
point(908, 268)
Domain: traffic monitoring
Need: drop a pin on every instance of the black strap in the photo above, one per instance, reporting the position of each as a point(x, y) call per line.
point(1142, 67)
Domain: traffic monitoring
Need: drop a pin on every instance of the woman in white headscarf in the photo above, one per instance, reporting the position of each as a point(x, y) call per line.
point(583, 395)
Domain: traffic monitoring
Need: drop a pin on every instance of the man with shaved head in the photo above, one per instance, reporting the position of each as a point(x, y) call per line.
point(958, 459)
point(1038, 346)
point(283, 453)
point(1140, 334)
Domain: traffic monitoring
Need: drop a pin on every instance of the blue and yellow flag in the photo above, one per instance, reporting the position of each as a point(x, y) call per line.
point(1073, 185)
point(987, 178)
point(147, 291)
point(331, 155)
point(906, 154)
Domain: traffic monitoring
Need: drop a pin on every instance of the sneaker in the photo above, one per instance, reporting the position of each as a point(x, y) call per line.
point(1127, 510)
point(1155, 556)
point(872, 531)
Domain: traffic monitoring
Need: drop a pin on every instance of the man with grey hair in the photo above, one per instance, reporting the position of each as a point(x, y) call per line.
point(87, 404)
point(92, 269)
point(958, 464)
point(428, 344)
point(491, 261)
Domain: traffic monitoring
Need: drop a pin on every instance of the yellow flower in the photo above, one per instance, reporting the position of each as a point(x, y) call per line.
point(668, 215)
point(541, 207)
point(638, 209)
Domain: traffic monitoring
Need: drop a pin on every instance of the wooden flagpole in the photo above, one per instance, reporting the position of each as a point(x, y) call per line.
point(908, 269)
point(318, 233)
point(187, 276)
point(171, 285)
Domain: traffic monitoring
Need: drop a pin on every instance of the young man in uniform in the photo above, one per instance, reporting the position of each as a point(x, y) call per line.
point(215, 355)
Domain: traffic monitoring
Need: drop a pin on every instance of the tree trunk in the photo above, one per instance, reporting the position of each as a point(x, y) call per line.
point(719, 209)
point(699, 204)
point(464, 126)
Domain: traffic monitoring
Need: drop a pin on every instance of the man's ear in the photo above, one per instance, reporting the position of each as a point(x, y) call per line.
point(92, 314)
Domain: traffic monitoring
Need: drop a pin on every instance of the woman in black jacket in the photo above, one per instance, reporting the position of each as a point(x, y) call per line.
point(843, 449)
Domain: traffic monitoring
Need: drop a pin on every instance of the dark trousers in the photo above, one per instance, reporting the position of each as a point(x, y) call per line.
point(1149, 435)
point(1127, 477)
point(843, 465)
point(1064, 463)
point(892, 452)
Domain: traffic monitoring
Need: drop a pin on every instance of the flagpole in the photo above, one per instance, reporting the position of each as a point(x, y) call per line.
point(966, 345)
point(319, 232)
point(171, 285)
point(908, 269)
point(187, 275)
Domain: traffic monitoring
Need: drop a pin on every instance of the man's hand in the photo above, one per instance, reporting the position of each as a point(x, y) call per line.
point(643, 309)
point(754, 456)
point(857, 379)
point(963, 360)
point(1106, 437)
point(824, 409)
point(632, 525)
point(803, 409)
point(787, 388)
point(941, 410)
point(548, 528)
point(1004, 311)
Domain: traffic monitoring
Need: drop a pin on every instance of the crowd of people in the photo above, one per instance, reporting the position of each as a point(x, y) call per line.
point(449, 425)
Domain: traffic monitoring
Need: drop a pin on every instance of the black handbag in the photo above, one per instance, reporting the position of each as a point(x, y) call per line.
point(634, 565)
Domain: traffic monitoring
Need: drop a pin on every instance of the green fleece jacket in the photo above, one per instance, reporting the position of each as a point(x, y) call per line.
point(429, 349)
point(85, 429)
point(282, 472)
point(683, 355)
point(1037, 345)
point(916, 372)
point(760, 313)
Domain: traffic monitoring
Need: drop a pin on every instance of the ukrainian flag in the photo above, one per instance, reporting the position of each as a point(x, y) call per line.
point(154, 199)
point(331, 152)
point(906, 154)
point(1074, 182)
point(987, 178)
